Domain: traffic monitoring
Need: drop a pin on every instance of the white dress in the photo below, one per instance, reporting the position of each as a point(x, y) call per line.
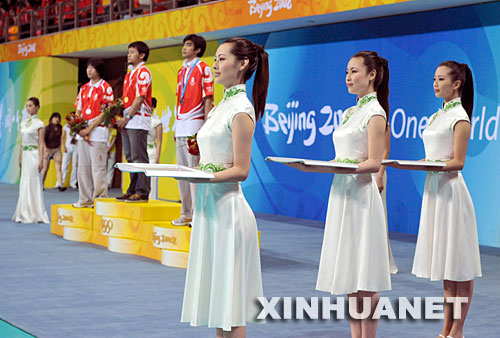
point(223, 277)
point(30, 205)
point(447, 244)
point(354, 256)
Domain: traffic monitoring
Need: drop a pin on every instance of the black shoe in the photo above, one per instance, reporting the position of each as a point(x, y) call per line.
point(136, 198)
point(122, 197)
point(62, 188)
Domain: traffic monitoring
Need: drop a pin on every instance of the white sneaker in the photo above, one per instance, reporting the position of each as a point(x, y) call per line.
point(83, 205)
point(74, 187)
point(182, 221)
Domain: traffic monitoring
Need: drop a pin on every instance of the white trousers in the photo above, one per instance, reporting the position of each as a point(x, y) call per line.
point(154, 193)
point(91, 171)
point(70, 156)
point(111, 168)
point(187, 190)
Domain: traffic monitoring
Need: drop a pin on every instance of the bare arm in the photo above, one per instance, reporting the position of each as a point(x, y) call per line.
point(159, 139)
point(460, 141)
point(380, 174)
point(41, 147)
point(376, 130)
point(21, 152)
point(208, 104)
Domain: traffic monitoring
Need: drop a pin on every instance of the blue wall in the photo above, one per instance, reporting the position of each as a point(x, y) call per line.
point(307, 95)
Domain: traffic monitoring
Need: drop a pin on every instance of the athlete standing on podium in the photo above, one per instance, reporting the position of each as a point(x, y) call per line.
point(195, 90)
point(136, 121)
point(92, 150)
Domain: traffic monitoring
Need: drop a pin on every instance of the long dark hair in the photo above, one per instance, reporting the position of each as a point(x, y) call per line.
point(462, 73)
point(373, 61)
point(257, 62)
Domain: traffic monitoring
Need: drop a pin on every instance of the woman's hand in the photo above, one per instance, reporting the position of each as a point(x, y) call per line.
point(40, 165)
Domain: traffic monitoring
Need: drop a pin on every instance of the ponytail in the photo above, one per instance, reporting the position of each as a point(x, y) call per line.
point(257, 62)
point(462, 73)
point(467, 95)
point(261, 82)
point(383, 89)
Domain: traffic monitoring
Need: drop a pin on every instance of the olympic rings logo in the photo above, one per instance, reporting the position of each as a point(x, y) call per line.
point(106, 226)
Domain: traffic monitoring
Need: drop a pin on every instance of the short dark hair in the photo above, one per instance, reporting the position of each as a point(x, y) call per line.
point(35, 101)
point(154, 102)
point(142, 48)
point(198, 41)
point(98, 64)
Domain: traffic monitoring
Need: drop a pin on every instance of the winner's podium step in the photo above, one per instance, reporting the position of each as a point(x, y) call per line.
point(125, 228)
point(143, 229)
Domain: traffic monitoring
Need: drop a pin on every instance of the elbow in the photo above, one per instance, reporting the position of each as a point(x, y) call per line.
point(241, 174)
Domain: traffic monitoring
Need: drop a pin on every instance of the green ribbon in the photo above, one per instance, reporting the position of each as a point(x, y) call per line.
point(345, 160)
point(212, 167)
point(151, 145)
point(30, 147)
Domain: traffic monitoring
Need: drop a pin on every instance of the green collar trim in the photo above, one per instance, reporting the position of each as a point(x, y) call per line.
point(233, 91)
point(367, 98)
point(451, 104)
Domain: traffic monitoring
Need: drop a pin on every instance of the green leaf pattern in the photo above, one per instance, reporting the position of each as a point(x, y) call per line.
point(212, 167)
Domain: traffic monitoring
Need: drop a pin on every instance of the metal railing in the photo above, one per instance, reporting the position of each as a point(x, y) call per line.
point(71, 14)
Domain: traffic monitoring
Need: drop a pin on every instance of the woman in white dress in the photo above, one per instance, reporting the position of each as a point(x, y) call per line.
point(223, 278)
point(354, 257)
point(447, 243)
point(30, 205)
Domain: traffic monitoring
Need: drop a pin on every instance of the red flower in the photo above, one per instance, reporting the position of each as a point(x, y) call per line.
point(193, 145)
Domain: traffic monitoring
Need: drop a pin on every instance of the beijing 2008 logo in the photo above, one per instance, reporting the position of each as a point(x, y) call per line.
point(106, 226)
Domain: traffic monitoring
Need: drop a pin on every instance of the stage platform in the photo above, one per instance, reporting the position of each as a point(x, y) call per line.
point(54, 288)
point(142, 229)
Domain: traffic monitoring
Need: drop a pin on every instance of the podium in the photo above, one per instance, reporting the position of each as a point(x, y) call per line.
point(143, 229)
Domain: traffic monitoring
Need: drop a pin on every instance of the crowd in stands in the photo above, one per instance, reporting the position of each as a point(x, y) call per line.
point(21, 19)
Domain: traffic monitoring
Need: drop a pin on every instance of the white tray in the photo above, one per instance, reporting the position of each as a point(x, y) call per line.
point(416, 163)
point(163, 170)
point(318, 163)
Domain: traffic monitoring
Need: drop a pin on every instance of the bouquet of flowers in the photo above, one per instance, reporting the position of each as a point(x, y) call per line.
point(112, 112)
point(193, 145)
point(75, 123)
